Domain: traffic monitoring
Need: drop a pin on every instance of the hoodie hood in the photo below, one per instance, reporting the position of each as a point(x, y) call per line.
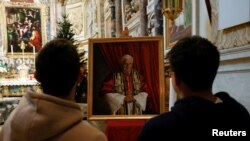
point(41, 116)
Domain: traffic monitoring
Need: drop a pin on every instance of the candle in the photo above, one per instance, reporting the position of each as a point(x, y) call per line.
point(11, 47)
point(34, 51)
point(2, 51)
point(23, 55)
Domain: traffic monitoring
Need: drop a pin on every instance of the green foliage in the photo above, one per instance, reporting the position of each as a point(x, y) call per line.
point(64, 29)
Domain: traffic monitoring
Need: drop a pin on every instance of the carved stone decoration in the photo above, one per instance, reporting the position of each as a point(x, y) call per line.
point(134, 5)
point(90, 21)
point(72, 10)
point(127, 12)
point(130, 8)
point(228, 38)
point(72, 1)
point(151, 25)
point(137, 19)
point(134, 25)
point(109, 19)
point(155, 18)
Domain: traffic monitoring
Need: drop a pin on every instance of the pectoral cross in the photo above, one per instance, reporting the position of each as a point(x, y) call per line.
point(128, 86)
point(22, 46)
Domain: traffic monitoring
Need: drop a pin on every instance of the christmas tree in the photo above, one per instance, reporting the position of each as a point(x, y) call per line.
point(65, 30)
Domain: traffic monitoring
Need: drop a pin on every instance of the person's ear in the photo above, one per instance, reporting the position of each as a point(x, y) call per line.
point(36, 77)
point(175, 81)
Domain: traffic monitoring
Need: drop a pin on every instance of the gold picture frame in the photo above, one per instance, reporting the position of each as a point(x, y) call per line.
point(23, 28)
point(104, 55)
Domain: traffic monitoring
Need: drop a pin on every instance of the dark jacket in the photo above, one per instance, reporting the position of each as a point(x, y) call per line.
point(196, 117)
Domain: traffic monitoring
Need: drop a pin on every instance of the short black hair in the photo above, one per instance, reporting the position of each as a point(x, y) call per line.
point(57, 67)
point(195, 61)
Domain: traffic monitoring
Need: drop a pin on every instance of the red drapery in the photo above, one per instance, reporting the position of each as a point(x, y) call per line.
point(146, 61)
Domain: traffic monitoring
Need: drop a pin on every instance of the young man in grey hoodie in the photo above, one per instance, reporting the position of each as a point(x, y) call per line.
point(53, 114)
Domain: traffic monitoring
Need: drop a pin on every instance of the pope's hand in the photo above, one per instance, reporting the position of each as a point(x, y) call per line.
point(129, 98)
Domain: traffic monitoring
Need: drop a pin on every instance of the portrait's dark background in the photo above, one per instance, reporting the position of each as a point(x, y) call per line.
point(100, 71)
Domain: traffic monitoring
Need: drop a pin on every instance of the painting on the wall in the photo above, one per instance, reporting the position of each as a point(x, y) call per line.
point(24, 30)
point(182, 26)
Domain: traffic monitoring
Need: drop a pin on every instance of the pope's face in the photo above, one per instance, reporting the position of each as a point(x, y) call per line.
point(127, 66)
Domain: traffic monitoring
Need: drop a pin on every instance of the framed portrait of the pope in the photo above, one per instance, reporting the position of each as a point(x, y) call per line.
point(126, 78)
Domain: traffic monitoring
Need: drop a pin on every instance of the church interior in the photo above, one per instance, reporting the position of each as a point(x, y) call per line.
point(26, 25)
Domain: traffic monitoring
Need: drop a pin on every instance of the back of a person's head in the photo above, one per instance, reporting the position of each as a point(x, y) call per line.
point(195, 61)
point(57, 67)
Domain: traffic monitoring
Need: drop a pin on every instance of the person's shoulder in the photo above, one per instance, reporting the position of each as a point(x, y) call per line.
point(88, 126)
point(236, 109)
point(86, 131)
point(161, 121)
point(228, 100)
point(161, 126)
point(222, 95)
point(92, 132)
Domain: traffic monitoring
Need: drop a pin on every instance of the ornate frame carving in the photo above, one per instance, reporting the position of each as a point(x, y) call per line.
point(231, 37)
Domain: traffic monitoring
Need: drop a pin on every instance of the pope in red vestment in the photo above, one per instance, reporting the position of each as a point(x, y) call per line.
point(125, 91)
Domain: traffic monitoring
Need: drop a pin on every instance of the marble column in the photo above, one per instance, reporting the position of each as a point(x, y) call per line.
point(118, 16)
point(143, 17)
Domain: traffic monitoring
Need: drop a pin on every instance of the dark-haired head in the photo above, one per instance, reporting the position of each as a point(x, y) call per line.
point(57, 67)
point(195, 61)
